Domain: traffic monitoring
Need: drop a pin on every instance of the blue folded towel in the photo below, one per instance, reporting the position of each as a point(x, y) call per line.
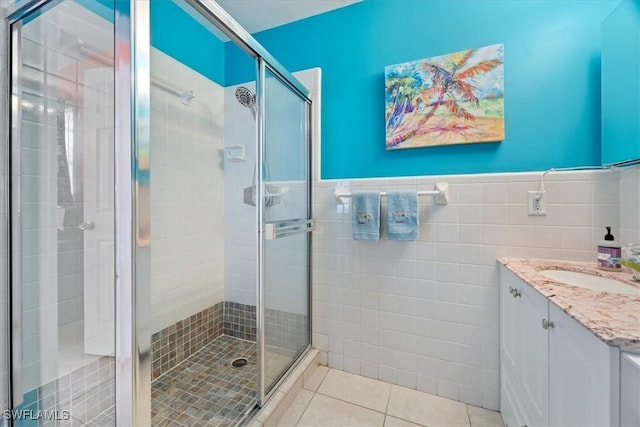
point(402, 215)
point(366, 215)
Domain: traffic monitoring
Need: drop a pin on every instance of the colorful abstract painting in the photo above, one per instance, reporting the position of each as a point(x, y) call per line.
point(450, 99)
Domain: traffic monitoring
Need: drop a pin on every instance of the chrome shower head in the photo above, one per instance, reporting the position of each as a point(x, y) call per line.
point(246, 97)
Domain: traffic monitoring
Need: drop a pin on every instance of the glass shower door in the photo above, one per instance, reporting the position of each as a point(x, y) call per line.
point(287, 225)
point(62, 215)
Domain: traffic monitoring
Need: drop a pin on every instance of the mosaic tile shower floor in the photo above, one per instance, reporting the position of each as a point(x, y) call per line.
point(205, 390)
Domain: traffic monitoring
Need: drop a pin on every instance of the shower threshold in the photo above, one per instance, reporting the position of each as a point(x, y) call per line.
point(205, 389)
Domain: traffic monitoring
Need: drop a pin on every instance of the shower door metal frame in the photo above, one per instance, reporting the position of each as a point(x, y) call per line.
point(263, 67)
point(5, 176)
point(14, 270)
point(260, 220)
point(133, 211)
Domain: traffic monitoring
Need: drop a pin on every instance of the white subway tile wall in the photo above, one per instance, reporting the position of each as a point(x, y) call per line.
point(424, 314)
point(239, 219)
point(187, 193)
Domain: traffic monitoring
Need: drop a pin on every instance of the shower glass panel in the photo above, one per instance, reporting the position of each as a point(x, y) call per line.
point(287, 210)
point(203, 237)
point(62, 214)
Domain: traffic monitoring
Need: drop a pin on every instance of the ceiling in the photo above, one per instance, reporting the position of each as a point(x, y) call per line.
point(258, 15)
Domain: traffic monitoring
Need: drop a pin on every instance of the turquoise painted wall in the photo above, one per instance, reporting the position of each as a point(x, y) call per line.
point(552, 80)
point(621, 84)
point(176, 33)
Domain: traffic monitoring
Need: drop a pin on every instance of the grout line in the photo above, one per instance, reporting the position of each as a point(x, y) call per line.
point(351, 403)
point(407, 420)
point(374, 410)
point(305, 407)
point(468, 414)
point(326, 374)
point(386, 408)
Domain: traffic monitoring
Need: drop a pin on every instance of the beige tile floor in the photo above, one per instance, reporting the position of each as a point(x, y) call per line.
point(334, 398)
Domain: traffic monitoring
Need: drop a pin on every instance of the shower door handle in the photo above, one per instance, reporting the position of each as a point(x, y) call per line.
point(288, 227)
point(89, 225)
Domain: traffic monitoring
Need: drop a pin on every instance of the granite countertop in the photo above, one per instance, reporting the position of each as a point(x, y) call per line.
point(614, 318)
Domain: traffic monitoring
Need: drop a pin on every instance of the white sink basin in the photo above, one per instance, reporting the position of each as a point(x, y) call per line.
point(590, 281)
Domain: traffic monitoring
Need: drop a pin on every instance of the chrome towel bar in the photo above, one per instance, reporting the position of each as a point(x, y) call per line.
point(440, 192)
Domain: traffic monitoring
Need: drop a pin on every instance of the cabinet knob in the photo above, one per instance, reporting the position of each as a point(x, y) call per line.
point(546, 324)
point(514, 292)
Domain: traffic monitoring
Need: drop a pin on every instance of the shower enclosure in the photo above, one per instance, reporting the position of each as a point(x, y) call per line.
point(156, 195)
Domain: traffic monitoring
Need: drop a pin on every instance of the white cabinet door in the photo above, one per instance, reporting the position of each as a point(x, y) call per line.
point(523, 352)
point(532, 352)
point(510, 407)
point(508, 313)
point(630, 390)
point(583, 376)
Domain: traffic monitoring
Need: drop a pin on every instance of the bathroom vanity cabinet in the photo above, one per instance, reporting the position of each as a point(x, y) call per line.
point(554, 371)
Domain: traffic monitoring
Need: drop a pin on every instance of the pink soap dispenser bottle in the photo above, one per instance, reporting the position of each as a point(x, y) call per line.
point(608, 251)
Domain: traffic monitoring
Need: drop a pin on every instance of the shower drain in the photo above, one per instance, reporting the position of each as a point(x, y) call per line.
point(239, 362)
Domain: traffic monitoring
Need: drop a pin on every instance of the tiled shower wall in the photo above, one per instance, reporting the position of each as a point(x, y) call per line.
point(239, 218)
point(175, 343)
point(187, 192)
point(84, 396)
point(425, 314)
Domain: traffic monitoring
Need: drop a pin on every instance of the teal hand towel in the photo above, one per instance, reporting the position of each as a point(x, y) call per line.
point(402, 215)
point(365, 220)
